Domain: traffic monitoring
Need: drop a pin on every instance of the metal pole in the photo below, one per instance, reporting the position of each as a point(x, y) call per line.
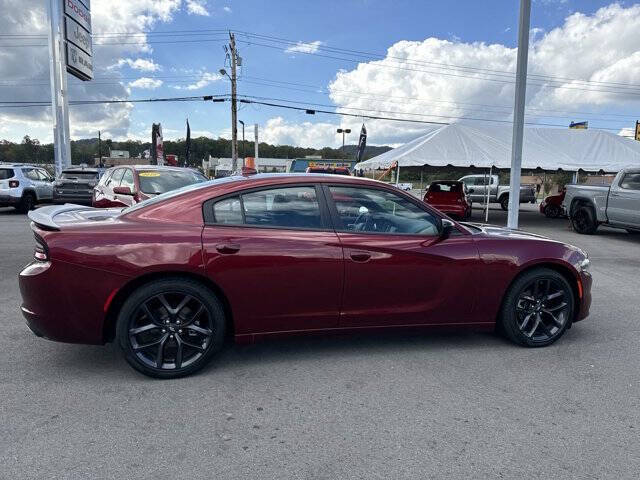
point(397, 173)
point(99, 149)
point(59, 101)
point(518, 113)
point(255, 144)
point(234, 105)
point(487, 185)
point(243, 157)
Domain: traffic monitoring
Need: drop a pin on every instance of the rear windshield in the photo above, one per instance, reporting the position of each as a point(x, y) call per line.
point(79, 175)
point(445, 187)
point(6, 173)
point(158, 181)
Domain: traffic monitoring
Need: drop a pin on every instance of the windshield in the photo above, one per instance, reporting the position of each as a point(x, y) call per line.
point(161, 181)
point(79, 176)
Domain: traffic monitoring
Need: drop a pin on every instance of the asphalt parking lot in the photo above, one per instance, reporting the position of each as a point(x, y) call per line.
point(465, 405)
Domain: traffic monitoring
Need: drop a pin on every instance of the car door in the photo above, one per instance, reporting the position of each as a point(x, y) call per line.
point(623, 207)
point(110, 198)
point(126, 181)
point(35, 182)
point(275, 256)
point(399, 270)
point(46, 185)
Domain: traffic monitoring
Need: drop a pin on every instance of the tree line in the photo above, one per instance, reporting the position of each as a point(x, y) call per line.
point(85, 151)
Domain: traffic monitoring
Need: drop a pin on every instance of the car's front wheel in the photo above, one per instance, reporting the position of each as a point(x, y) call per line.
point(537, 308)
point(170, 328)
point(552, 211)
point(504, 202)
point(583, 221)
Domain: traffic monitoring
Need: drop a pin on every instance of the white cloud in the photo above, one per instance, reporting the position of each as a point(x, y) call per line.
point(146, 83)
point(279, 131)
point(197, 7)
point(302, 47)
point(206, 78)
point(227, 9)
point(144, 64)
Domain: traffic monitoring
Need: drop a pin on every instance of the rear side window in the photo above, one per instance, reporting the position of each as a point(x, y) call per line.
point(6, 173)
point(631, 181)
point(293, 207)
point(228, 211)
point(289, 207)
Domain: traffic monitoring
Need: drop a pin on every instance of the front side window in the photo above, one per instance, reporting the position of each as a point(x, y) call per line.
point(114, 181)
point(631, 181)
point(379, 211)
point(127, 179)
point(290, 207)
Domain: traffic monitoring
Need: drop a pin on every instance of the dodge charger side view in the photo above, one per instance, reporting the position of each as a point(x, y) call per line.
point(169, 278)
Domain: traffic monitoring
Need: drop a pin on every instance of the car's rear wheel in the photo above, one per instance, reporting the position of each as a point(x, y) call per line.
point(583, 221)
point(537, 308)
point(552, 211)
point(170, 328)
point(27, 203)
point(504, 202)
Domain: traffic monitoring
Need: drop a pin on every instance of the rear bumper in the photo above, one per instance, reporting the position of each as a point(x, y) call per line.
point(457, 210)
point(65, 302)
point(84, 197)
point(9, 200)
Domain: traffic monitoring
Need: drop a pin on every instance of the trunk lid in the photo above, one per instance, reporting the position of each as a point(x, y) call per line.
point(55, 217)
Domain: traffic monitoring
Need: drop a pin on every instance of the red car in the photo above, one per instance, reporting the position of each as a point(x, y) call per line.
point(449, 197)
point(552, 205)
point(169, 278)
point(330, 170)
point(127, 185)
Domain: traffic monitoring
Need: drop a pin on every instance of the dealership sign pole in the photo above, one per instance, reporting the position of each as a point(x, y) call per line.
point(70, 50)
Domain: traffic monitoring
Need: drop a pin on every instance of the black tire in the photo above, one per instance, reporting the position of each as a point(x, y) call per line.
point(545, 322)
point(163, 333)
point(552, 211)
point(584, 221)
point(27, 203)
point(504, 202)
point(633, 231)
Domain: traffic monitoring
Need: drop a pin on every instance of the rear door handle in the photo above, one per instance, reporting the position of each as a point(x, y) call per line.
point(360, 256)
point(228, 248)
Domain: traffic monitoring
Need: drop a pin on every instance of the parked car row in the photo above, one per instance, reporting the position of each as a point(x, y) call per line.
point(25, 186)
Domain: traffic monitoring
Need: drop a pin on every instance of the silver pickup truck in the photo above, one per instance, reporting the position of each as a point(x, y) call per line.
point(477, 189)
point(616, 206)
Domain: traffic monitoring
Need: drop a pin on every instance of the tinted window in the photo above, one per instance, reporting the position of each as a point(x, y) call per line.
point(31, 174)
point(379, 211)
point(228, 211)
point(631, 181)
point(44, 176)
point(161, 181)
point(445, 187)
point(292, 207)
point(6, 173)
point(127, 179)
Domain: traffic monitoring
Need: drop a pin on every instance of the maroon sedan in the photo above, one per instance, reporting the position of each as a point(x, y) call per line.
point(168, 278)
point(127, 185)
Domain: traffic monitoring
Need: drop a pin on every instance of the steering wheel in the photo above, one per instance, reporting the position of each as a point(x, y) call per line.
point(359, 218)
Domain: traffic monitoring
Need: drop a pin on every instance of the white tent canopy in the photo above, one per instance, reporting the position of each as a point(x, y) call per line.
point(483, 146)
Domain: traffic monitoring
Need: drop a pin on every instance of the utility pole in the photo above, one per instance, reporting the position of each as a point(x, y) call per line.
point(234, 104)
point(99, 149)
point(255, 143)
point(243, 157)
point(518, 112)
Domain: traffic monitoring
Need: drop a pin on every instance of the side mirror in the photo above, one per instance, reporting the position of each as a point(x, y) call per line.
point(122, 191)
point(447, 227)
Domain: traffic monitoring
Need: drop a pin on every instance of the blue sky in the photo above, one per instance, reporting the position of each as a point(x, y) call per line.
point(470, 34)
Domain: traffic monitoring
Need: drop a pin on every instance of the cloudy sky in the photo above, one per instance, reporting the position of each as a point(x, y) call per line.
point(422, 60)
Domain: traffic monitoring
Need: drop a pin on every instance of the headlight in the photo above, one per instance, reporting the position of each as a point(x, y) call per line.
point(584, 265)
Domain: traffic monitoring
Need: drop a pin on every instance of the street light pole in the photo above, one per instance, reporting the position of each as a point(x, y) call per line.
point(234, 104)
point(343, 131)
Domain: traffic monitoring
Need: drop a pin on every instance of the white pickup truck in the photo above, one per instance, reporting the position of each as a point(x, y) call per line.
point(477, 189)
point(617, 206)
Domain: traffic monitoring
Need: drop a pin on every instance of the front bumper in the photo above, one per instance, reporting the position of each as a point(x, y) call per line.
point(586, 281)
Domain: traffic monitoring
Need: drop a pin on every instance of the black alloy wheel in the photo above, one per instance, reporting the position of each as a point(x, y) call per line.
point(504, 202)
point(27, 203)
point(583, 221)
point(170, 328)
point(538, 308)
point(552, 211)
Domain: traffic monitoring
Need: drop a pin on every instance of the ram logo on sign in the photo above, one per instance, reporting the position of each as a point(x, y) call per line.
point(79, 46)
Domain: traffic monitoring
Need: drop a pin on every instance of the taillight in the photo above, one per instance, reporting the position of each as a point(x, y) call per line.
point(40, 251)
point(14, 183)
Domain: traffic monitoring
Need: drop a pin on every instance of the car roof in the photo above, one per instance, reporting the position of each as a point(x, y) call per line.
point(167, 168)
point(79, 170)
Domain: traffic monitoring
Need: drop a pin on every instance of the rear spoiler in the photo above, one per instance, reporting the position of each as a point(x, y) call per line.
point(44, 216)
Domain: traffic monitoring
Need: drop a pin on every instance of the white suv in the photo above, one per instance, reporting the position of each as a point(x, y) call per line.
point(24, 186)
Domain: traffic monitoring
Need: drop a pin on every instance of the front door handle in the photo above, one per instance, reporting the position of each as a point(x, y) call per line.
point(228, 248)
point(360, 256)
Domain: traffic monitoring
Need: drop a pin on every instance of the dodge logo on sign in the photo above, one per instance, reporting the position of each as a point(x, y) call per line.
point(76, 10)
